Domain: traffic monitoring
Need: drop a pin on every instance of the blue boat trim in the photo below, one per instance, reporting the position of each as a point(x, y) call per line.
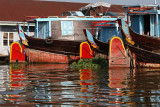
point(22, 35)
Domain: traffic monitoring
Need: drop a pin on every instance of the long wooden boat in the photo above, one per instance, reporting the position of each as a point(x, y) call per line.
point(67, 33)
point(142, 41)
point(96, 45)
point(99, 40)
point(145, 56)
point(49, 50)
point(144, 48)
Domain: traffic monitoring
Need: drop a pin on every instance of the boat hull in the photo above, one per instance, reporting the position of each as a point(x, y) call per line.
point(143, 49)
point(146, 42)
point(144, 58)
point(117, 54)
point(39, 56)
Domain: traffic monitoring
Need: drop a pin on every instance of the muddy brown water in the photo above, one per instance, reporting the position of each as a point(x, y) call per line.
point(55, 85)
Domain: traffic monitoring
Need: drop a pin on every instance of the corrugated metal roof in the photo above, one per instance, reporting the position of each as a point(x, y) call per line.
point(92, 5)
point(16, 10)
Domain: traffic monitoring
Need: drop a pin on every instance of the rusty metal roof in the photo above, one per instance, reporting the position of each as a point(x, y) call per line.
point(16, 10)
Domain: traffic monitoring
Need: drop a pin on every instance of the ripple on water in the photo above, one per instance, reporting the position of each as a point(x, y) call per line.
point(55, 84)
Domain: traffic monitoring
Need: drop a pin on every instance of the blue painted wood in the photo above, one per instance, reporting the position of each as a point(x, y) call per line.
point(157, 25)
point(49, 28)
point(90, 39)
point(37, 29)
point(135, 23)
point(141, 24)
point(22, 36)
point(125, 27)
point(90, 36)
point(70, 19)
point(28, 29)
point(152, 27)
point(107, 33)
point(42, 29)
point(97, 32)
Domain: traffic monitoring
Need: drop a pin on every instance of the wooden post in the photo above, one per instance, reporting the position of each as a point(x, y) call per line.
point(157, 25)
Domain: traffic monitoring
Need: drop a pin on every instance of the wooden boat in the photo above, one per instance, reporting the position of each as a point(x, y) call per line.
point(99, 39)
point(49, 50)
point(113, 49)
point(145, 56)
point(142, 41)
point(67, 33)
point(144, 28)
point(147, 42)
point(96, 45)
point(143, 48)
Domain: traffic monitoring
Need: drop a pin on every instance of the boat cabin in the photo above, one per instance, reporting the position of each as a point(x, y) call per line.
point(105, 30)
point(66, 27)
point(144, 19)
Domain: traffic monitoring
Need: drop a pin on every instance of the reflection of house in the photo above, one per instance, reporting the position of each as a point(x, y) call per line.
point(14, 11)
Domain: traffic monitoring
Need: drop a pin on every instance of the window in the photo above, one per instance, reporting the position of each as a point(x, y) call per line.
point(67, 27)
point(43, 30)
point(8, 38)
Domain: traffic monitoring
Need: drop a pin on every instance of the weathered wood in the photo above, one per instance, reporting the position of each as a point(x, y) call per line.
point(48, 57)
point(117, 54)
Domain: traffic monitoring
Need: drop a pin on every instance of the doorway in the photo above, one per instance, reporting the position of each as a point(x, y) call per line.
point(147, 24)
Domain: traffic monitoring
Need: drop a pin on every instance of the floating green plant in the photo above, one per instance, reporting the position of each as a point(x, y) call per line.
point(16, 66)
point(95, 63)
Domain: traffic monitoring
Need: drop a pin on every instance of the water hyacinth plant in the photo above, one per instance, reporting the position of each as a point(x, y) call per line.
point(16, 66)
point(95, 63)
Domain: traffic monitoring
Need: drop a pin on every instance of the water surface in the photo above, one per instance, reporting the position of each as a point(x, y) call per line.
point(55, 85)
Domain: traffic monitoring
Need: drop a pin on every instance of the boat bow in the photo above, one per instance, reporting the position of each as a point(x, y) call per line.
point(22, 36)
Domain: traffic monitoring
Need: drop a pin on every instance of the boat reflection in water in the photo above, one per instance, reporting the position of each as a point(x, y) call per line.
point(117, 82)
point(17, 83)
point(57, 85)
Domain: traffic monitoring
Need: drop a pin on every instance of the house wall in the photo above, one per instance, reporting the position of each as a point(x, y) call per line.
point(5, 50)
point(78, 26)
